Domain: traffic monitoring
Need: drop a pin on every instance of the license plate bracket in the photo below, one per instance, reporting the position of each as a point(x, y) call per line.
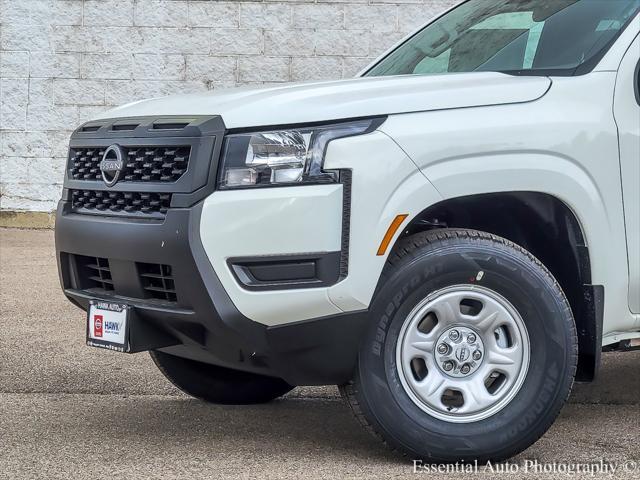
point(108, 325)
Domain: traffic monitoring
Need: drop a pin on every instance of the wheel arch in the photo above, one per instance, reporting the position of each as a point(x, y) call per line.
point(534, 220)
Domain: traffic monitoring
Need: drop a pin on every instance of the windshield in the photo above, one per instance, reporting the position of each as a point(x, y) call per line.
point(524, 37)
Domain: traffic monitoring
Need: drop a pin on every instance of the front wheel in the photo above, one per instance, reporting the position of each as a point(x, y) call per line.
point(471, 352)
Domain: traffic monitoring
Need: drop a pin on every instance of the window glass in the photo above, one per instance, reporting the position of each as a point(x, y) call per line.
point(507, 36)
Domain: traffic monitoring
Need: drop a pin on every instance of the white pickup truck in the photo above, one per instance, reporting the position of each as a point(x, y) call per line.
point(453, 237)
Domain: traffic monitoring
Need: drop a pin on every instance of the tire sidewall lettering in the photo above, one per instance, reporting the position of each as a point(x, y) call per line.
point(529, 293)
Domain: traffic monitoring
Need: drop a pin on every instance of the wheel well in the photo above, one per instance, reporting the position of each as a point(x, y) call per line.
point(535, 221)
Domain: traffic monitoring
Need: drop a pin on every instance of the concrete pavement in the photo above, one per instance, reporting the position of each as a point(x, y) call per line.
point(69, 411)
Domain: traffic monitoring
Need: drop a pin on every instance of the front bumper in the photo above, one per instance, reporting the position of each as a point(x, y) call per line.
point(202, 324)
point(206, 310)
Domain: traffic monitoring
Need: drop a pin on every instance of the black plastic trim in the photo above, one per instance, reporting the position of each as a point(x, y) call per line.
point(204, 322)
point(321, 351)
point(204, 134)
point(195, 126)
point(376, 121)
point(204, 313)
point(590, 333)
point(346, 180)
point(286, 272)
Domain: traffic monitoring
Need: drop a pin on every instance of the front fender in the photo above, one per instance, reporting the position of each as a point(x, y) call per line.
point(526, 171)
point(385, 183)
point(562, 145)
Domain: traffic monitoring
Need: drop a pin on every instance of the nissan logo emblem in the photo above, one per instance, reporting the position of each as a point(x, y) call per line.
point(462, 354)
point(112, 164)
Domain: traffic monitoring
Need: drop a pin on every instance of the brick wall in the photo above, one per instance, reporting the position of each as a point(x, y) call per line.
point(62, 61)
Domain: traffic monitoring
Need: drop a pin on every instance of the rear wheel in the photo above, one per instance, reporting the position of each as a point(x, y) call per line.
point(216, 384)
point(471, 353)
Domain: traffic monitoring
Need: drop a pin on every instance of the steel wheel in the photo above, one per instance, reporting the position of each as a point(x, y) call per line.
point(470, 353)
point(463, 353)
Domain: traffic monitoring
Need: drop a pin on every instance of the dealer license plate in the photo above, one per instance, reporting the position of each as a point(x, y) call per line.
point(108, 325)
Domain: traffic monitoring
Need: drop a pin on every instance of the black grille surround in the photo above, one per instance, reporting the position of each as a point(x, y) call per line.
point(166, 162)
point(141, 164)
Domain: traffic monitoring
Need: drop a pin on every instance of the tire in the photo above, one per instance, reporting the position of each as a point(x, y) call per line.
point(216, 384)
point(426, 272)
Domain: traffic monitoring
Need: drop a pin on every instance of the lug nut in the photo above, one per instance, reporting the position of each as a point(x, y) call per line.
point(454, 335)
point(477, 355)
point(465, 369)
point(443, 349)
point(471, 338)
point(448, 366)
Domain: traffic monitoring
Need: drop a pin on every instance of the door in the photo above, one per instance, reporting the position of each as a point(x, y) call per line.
point(627, 115)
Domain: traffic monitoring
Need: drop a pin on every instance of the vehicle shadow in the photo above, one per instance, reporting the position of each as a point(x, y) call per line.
point(291, 428)
point(315, 422)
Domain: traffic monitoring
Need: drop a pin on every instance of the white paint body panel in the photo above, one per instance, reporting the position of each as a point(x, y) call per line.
point(627, 115)
point(270, 221)
point(385, 183)
point(446, 136)
point(331, 101)
point(291, 220)
point(564, 144)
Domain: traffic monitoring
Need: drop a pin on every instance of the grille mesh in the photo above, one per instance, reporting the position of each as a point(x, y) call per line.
point(151, 204)
point(97, 273)
point(157, 281)
point(141, 164)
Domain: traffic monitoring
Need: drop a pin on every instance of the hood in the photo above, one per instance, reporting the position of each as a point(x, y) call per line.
point(299, 103)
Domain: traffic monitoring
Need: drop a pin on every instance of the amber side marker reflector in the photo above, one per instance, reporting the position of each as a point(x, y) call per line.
point(391, 231)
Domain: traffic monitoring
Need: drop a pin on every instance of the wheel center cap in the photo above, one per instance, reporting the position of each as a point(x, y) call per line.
point(462, 353)
point(459, 351)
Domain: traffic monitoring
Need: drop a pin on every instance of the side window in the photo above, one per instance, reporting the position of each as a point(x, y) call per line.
point(507, 41)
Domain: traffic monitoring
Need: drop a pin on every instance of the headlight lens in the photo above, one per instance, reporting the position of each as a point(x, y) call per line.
point(282, 157)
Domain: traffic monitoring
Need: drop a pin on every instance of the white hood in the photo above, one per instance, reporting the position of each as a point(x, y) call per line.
point(334, 100)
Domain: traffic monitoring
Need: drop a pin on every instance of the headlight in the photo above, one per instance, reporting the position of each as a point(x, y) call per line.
point(283, 157)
